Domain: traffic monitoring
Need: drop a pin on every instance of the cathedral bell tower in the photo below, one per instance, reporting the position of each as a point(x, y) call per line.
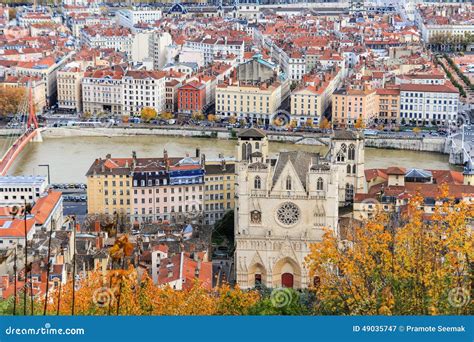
point(252, 146)
point(347, 152)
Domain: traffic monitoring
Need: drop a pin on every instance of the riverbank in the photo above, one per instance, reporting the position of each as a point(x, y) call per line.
point(423, 144)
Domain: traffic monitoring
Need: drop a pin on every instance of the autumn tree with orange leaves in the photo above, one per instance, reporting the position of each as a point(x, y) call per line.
point(98, 295)
point(414, 267)
point(11, 99)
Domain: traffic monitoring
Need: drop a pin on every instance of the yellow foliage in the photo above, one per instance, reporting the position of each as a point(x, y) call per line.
point(166, 116)
point(324, 123)
point(11, 99)
point(147, 114)
point(359, 124)
point(99, 295)
point(381, 269)
point(232, 119)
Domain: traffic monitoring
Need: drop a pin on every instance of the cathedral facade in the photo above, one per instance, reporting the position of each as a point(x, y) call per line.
point(284, 202)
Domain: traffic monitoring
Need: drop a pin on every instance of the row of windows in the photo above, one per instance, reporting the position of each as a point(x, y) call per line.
point(18, 189)
point(165, 199)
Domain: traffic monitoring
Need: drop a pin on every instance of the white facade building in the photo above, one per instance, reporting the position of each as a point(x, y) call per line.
point(131, 17)
point(143, 89)
point(15, 190)
point(428, 104)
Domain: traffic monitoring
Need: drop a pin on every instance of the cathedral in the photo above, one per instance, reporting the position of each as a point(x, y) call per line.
point(284, 202)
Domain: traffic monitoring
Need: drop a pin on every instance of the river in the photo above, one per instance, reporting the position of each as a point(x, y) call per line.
point(69, 158)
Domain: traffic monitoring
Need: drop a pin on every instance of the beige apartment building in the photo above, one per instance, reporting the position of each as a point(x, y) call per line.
point(219, 190)
point(69, 80)
point(348, 105)
point(248, 101)
point(102, 91)
point(388, 106)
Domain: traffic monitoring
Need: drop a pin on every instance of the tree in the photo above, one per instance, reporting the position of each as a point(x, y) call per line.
point(198, 115)
point(11, 99)
point(413, 267)
point(278, 122)
point(232, 119)
point(324, 123)
point(99, 295)
point(309, 122)
point(147, 114)
point(359, 124)
point(166, 116)
point(416, 130)
point(211, 118)
point(224, 228)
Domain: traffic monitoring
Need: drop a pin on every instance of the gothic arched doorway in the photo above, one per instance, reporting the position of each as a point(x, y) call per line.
point(287, 280)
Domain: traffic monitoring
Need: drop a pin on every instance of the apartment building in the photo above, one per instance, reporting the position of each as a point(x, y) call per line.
point(102, 91)
point(69, 80)
point(296, 66)
point(248, 101)
point(219, 191)
point(387, 106)
point(103, 37)
point(46, 69)
point(130, 17)
point(169, 189)
point(191, 97)
point(109, 186)
point(142, 89)
point(423, 104)
point(147, 189)
point(348, 105)
point(311, 100)
point(15, 190)
point(212, 47)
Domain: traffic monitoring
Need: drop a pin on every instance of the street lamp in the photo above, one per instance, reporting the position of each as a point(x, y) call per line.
point(49, 175)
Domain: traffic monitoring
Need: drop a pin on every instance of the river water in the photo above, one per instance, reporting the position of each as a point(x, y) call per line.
point(70, 158)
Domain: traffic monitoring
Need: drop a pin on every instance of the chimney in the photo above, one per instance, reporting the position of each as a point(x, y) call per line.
point(99, 242)
point(108, 156)
point(198, 152)
point(165, 155)
point(97, 226)
point(223, 165)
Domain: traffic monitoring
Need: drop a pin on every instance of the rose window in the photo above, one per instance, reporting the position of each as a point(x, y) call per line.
point(288, 214)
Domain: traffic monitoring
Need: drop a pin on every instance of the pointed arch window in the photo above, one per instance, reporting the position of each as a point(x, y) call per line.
point(354, 169)
point(340, 157)
point(348, 169)
point(288, 183)
point(257, 183)
point(351, 154)
point(320, 184)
